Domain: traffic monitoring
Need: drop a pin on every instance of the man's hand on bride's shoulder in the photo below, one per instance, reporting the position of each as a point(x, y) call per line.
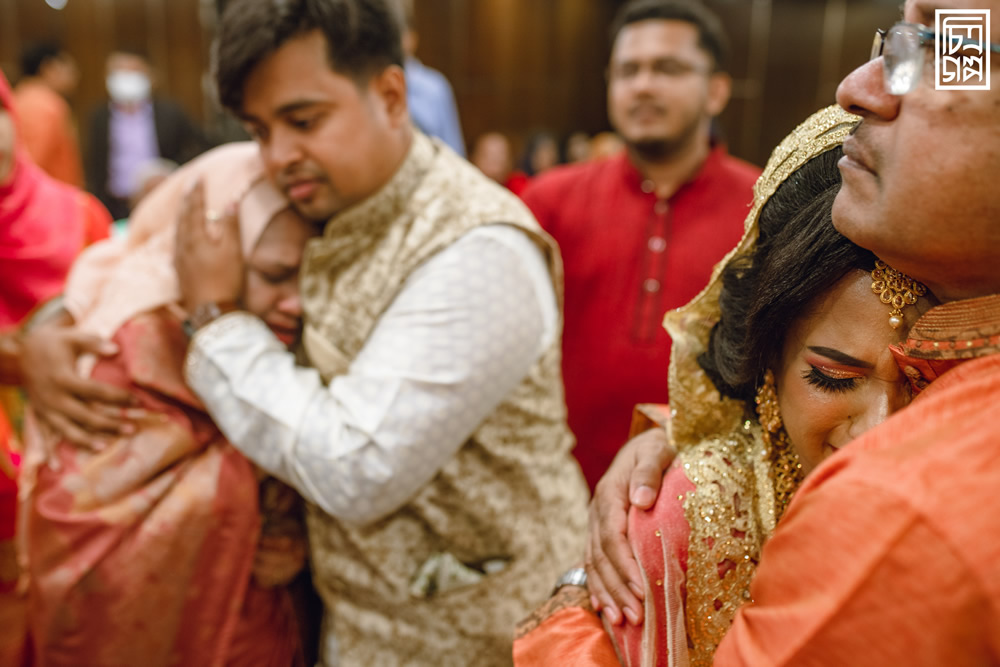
point(633, 478)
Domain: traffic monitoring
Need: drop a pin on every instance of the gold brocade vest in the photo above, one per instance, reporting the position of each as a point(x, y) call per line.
point(443, 580)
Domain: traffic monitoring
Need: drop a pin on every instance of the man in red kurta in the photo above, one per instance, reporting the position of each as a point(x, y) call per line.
point(641, 231)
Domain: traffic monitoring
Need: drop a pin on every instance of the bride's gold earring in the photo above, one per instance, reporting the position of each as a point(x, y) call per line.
point(786, 471)
point(767, 409)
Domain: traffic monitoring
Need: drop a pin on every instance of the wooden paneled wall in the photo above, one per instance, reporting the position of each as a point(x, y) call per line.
point(788, 57)
point(169, 32)
point(515, 65)
point(518, 65)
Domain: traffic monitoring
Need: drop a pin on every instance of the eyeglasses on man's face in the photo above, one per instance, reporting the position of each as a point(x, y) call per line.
point(903, 49)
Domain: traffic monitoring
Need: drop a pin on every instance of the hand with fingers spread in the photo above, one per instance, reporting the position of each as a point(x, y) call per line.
point(613, 577)
point(207, 254)
point(81, 410)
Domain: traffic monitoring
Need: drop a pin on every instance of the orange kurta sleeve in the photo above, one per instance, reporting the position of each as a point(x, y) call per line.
point(837, 586)
point(572, 635)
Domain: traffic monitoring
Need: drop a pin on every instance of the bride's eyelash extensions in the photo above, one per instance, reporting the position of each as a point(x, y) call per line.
point(818, 378)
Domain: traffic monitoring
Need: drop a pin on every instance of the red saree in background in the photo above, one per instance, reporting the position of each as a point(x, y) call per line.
point(44, 224)
point(142, 553)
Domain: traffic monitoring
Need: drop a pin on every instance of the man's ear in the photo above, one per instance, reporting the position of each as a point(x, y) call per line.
point(720, 86)
point(389, 87)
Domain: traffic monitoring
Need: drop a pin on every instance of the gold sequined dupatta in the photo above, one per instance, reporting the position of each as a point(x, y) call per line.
point(731, 511)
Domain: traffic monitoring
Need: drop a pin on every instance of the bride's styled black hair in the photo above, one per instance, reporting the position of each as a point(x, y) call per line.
point(798, 256)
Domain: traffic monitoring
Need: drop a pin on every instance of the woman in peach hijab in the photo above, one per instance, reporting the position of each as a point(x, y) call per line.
point(165, 547)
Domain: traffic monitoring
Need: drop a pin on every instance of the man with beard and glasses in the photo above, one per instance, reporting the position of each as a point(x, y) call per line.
point(641, 231)
point(428, 433)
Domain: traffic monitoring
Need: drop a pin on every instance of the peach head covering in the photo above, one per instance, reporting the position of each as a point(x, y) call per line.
point(115, 280)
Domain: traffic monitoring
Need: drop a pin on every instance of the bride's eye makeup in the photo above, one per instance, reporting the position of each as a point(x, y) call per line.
point(833, 371)
point(826, 379)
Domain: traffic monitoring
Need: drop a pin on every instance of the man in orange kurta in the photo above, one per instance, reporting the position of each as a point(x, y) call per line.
point(888, 553)
point(45, 119)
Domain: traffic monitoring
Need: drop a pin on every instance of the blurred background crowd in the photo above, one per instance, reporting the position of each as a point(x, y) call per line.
point(527, 78)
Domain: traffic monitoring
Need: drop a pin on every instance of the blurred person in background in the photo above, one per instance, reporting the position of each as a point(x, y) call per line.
point(47, 131)
point(428, 93)
point(495, 158)
point(541, 153)
point(131, 129)
point(641, 231)
point(149, 176)
point(578, 147)
point(44, 224)
point(605, 145)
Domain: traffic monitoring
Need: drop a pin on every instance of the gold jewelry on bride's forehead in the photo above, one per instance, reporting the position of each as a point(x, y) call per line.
point(895, 289)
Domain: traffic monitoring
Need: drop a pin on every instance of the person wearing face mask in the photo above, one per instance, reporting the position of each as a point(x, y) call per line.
point(133, 129)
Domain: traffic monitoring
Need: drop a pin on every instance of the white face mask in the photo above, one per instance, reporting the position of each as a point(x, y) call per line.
point(128, 87)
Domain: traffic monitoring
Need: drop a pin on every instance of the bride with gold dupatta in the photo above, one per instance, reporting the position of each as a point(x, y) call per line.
point(780, 361)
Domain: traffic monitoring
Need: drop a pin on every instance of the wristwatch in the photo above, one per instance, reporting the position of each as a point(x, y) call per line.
point(205, 313)
point(576, 576)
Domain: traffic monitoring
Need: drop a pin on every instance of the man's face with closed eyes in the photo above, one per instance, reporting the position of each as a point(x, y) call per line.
point(323, 135)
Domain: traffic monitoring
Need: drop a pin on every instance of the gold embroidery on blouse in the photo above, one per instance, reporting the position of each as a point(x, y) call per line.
point(731, 512)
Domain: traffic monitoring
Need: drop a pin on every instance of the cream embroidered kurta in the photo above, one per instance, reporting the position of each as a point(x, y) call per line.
point(437, 455)
point(462, 333)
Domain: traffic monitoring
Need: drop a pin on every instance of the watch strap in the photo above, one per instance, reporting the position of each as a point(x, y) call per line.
point(576, 576)
point(205, 313)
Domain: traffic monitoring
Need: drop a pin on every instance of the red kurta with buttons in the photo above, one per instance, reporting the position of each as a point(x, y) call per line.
point(629, 258)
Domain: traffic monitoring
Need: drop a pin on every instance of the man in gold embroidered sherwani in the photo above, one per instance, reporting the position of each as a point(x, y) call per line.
point(887, 554)
point(429, 436)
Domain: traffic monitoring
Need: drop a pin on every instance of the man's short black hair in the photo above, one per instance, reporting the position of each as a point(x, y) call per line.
point(711, 37)
point(362, 38)
point(34, 57)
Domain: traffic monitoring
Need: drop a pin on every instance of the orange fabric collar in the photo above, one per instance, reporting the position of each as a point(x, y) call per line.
point(948, 335)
